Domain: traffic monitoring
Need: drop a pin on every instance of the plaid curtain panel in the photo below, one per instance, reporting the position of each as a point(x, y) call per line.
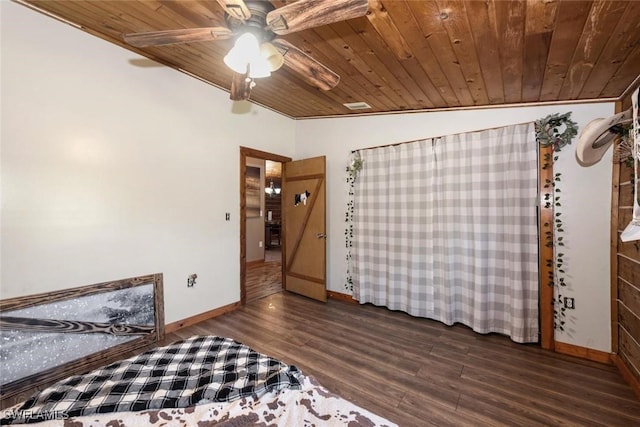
point(446, 228)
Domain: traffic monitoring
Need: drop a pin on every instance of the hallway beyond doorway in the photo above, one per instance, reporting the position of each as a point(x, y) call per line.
point(265, 278)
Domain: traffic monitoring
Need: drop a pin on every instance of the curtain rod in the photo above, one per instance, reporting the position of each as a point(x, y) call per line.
point(433, 137)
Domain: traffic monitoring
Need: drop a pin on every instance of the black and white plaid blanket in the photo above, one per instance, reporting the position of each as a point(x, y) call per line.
point(197, 370)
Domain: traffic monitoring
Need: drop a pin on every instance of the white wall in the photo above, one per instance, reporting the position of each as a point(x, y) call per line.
point(586, 196)
point(111, 171)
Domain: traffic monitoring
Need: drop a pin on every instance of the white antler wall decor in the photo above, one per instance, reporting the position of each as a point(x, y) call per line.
point(632, 231)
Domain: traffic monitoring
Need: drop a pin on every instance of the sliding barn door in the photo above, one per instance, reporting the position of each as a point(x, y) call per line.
point(303, 209)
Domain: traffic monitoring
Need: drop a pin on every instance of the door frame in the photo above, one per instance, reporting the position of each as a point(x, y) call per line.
point(263, 155)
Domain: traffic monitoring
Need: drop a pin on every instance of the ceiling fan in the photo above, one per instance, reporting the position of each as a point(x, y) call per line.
point(257, 52)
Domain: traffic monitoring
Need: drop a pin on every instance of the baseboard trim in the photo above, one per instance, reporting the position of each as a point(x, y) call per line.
point(189, 321)
point(584, 353)
point(342, 297)
point(626, 374)
point(255, 262)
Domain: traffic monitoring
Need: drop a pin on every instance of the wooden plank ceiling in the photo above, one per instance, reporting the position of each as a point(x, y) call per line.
point(407, 55)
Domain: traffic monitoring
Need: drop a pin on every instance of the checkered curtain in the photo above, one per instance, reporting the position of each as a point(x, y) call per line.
point(446, 229)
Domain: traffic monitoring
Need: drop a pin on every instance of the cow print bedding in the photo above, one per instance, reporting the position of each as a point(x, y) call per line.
point(202, 381)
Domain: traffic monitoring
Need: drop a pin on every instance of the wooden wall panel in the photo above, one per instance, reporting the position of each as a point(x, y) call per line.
point(624, 217)
point(628, 320)
point(626, 174)
point(628, 270)
point(626, 194)
point(625, 284)
point(630, 294)
point(630, 249)
point(613, 256)
point(630, 353)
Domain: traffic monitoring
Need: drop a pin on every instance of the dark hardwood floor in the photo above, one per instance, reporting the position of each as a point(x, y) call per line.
point(264, 278)
point(418, 372)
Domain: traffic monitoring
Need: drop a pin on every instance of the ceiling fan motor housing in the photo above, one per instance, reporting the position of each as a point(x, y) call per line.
point(257, 22)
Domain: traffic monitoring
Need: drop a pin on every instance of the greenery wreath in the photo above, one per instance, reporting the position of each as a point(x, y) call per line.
point(548, 130)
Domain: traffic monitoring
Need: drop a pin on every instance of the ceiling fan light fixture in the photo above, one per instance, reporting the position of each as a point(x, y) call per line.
point(236, 62)
point(254, 26)
point(245, 50)
point(259, 69)
point(272, 55)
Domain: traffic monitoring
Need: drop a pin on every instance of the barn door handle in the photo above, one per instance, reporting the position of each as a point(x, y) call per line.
point(321, 235)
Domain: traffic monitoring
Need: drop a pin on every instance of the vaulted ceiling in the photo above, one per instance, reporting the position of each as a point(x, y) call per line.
point(405, 55)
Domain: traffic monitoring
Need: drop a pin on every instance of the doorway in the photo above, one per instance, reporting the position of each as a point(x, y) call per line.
point(262, 274)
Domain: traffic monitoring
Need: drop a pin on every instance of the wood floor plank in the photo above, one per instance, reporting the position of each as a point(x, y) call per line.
point(544, 372)
point(521, 400)
point(370, 368)
point(492, 413)
point(264, 278)
point(553, 403)
point(389, 409)
point(362, 347)
point(436, 414)
point(418, 372)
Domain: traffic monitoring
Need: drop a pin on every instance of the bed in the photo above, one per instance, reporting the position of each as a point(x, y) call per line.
point(200, 381)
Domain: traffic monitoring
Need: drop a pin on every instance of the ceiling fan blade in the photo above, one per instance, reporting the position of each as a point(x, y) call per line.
point(309, 69)
point(236, 9)
point(305, 14)
point(186, 35)
point(240, 87)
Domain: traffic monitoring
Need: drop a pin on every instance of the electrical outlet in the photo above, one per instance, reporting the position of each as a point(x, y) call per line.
point(569, 303)
point(260, 244)
point(227, 216)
